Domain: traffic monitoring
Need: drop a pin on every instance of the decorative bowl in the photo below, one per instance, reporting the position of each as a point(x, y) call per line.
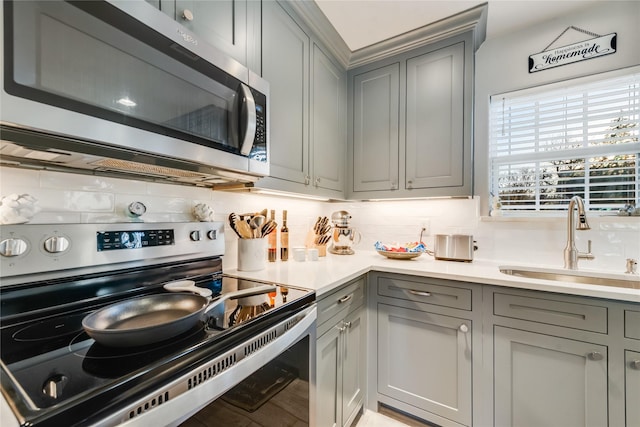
point(397, 251)
point(400, 255)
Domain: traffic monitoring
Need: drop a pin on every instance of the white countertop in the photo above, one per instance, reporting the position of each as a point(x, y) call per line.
point(333, 270)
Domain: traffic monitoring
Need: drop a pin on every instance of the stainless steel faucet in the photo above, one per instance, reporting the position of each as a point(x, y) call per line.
point(571, 253)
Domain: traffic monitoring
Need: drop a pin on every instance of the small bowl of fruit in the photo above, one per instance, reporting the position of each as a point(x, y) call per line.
point(400, 251)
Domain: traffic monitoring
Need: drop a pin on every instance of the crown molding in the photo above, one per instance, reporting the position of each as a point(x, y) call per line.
point(474, 19)
point(318, 23)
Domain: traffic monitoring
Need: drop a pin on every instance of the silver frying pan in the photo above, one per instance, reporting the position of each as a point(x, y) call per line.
point(154, 318)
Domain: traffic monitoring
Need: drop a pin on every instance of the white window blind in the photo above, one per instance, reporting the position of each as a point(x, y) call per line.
point(549, 144)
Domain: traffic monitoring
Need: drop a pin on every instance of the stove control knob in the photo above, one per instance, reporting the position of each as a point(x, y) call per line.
point(53, 386)
point(212, 234)
point(56, 244)
point(195, 236)
point(12, 247)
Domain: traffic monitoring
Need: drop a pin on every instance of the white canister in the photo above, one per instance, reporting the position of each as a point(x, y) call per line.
point(312, 254)
point(299, 254)
point(252, 254)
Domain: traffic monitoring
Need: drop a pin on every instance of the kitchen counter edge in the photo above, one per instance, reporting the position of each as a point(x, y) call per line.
point(331, 271)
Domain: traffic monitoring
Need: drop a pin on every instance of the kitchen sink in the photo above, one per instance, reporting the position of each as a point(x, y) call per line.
point(575, 276)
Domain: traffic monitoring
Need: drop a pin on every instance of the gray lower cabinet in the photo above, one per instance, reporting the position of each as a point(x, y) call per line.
point(340, 356)
point(409, 132)
point(464, 354)
point(632, 365)
point(632, 388)
point(229, 25)
point(424, 360)
point(425, 347)
point(543, 380)
point(561, 360)
point(307, 108)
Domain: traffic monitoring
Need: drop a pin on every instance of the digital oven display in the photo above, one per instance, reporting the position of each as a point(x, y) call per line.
point(112, 240)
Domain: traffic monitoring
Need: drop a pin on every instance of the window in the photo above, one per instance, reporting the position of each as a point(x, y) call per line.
point(580, 137)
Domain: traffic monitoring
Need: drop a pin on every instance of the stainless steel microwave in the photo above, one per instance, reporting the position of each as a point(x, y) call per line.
point(119, 87)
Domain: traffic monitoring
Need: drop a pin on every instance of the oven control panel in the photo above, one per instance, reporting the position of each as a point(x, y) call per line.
point(113, 240)
point(47, 248)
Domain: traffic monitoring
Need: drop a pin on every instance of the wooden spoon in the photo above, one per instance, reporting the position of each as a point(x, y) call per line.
point(244, 230)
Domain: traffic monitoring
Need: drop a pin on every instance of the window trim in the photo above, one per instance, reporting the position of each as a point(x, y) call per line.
point(595, 150)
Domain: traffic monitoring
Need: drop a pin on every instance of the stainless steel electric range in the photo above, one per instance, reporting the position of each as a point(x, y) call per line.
point(236, 359)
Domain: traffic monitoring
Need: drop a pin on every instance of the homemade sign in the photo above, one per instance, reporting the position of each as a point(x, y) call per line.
point(588, 49)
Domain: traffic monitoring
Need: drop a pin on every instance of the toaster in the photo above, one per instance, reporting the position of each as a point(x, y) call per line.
point(454, 247)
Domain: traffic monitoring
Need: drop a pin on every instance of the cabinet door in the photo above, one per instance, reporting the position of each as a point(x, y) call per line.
point(328, 374)
point(222, 23)
point(285, 53)
point(328, 138)
point(542, 380)
point(435, 117)
point(376, 108)
point(632, 388)
point(424, 360)
point(353, 366)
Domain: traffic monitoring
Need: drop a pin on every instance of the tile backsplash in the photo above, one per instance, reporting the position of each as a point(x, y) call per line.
point(74, 198)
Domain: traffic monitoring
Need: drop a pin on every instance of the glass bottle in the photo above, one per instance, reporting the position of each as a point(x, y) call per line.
point(284, 238)
point(273, 241)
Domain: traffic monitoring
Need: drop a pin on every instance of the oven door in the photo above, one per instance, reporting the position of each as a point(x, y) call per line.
point(279, 377)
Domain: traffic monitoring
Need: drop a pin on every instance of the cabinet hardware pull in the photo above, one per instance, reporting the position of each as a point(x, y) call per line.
point(464, 328)
point(635, 364)
point(594, 355)
point(420, 293)
point(347, 325)
point(345, 299)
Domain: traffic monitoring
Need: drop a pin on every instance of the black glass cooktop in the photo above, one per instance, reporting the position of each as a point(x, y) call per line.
point(47, 354)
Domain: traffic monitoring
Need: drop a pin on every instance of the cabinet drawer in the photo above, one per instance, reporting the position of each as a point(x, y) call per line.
point(558, 313)
point(447, 296)
point(632, 324)
point(347, 297)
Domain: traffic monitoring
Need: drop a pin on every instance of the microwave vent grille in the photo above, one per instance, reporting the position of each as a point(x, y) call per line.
point(124, 165)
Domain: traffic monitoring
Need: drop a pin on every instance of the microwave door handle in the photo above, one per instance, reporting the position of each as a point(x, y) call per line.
point(248, 120)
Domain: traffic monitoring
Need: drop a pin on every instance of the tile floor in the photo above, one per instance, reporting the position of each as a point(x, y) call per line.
point(376, 419)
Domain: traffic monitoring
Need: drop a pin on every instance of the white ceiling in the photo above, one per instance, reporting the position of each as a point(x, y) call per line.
point(365, 22)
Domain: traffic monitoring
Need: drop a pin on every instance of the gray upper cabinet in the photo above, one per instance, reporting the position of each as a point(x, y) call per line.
point(307, 108)
point(328, 122)
point(222, 23)
point(435, 120)
point(376, 102)
point(285, 47)
point(410, 127)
